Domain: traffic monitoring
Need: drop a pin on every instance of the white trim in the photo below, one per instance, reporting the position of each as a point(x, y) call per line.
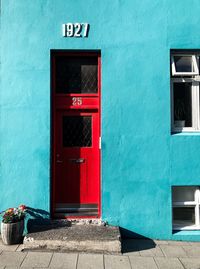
point(100, 142)
point(186, 203)
point(194, 64)
point(183, 80)
point(181, 228)
point(197, 221)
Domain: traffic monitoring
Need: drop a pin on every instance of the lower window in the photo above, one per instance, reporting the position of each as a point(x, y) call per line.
point(186, 208)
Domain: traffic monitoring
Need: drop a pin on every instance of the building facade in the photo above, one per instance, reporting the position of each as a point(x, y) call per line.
point(99, 106)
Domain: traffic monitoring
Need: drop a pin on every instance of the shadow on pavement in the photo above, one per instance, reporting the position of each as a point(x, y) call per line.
point(133, 242)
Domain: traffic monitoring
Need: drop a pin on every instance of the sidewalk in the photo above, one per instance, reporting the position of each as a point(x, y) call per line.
point(139, 254)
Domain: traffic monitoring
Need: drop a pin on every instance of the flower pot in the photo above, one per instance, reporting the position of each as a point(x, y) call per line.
point(12, 233)
point(179, 123)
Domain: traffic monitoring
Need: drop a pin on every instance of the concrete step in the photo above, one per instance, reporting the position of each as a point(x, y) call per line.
point(68, 237)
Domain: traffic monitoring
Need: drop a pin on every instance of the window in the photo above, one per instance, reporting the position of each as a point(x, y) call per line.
point(184, 65)
point(186, 206)
point(77, 131)
point(76, 74)
point(185, 92)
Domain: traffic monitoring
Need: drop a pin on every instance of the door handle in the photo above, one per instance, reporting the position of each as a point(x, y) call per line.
point(80, 160)
point(58, 161)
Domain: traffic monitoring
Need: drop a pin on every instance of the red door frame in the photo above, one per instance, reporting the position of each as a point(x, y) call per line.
point(58, 98)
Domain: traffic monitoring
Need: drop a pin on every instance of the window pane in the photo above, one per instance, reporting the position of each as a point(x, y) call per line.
point(183, 216)
point(183, 194)
point(76, 74)
point(183, 104)
point(77, 131)
point(184, 63)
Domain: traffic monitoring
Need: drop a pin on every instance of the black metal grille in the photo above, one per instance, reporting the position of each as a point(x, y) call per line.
point(77, 131)
point(76, 74)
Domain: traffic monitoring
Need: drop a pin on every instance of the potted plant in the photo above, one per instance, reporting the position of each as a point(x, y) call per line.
point(179, 113)
point(12, 225)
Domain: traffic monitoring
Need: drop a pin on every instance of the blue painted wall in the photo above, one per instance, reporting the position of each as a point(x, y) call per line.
point(141, 160)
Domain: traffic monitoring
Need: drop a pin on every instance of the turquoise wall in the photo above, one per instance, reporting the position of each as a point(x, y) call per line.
point(141, 160)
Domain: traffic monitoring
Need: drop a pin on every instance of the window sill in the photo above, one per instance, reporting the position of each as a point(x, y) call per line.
point(186, 133)
point(186, 232)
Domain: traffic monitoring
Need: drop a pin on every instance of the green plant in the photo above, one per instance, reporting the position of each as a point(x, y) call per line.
point(14, 214)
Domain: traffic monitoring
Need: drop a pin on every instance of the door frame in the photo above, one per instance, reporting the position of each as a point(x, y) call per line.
point(53, 53)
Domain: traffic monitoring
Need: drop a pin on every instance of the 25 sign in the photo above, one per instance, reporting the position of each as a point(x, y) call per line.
point(75, 29)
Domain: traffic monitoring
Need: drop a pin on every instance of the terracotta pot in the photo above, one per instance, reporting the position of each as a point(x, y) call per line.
point(12, 233)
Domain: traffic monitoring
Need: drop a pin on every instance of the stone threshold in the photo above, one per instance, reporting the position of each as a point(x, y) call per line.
point(74, 236)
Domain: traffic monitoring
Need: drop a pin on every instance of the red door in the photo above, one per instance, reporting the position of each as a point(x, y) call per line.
point(76, 134)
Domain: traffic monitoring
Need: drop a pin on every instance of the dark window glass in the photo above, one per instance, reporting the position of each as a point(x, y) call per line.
point(77, 131)
point(183, 216)
point(183, 104)
point(183, 194)
point(76, 74)
point(183, 63)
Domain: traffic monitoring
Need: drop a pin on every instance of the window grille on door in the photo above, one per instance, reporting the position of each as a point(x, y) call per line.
point(76, 74)
point(77, 131)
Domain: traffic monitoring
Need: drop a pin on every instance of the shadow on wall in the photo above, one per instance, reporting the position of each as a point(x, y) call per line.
point(133, 242)
point(38, 220)
point(34, 218)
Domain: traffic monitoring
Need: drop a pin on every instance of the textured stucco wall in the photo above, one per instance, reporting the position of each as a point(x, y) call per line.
point(141, 160)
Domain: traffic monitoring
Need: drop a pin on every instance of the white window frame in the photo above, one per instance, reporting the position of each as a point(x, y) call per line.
point(195, 105)
point(194, 62)
point(195, 80)
point(196, 205)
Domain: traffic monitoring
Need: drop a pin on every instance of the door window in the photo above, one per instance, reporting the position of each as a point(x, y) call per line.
point(76, 74)
point(77, 131)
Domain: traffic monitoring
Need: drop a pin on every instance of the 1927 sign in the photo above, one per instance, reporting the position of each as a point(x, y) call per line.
point(75, 29)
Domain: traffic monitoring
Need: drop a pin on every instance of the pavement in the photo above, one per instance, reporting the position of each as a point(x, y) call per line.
point(137, 254)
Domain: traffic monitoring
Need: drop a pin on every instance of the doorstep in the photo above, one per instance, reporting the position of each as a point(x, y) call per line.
point(74, 236)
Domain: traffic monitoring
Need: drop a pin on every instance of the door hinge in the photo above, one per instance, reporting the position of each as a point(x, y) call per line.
point(100, 142)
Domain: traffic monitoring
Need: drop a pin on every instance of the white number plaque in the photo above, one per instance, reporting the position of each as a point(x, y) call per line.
point(75, 29)
point(77, 101)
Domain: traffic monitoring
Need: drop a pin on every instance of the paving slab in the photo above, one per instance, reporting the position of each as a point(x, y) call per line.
point(133, 253)
point(8, 247)
point(192, 251)
point(8, 258)
point(143, 263)
point(64, 260)
point(160, 242)
point(178, 243)
point(173, 251)
point(153, 252)
point(16, 267)
point(168, 263)
point(36, 259)
point(79, 238)
point(90, 261)
point(116, 262)
point(191, 263)
point(197, 244)
point(20, 247)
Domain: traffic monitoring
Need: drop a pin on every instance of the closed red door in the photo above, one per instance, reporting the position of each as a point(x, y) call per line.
point(76, 134)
